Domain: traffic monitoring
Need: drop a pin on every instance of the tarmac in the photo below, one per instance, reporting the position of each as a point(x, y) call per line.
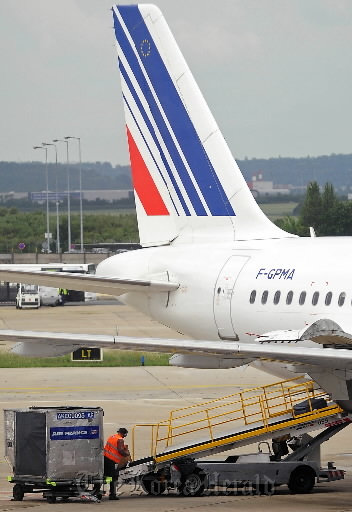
point(140, 395)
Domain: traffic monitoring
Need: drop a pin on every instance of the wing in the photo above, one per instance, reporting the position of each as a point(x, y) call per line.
point(90, 283)
point(49, 344)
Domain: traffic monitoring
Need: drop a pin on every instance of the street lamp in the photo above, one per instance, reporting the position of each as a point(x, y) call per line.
point(80, 188)
point(47, 196)
point(68, 195)
point(57, 199)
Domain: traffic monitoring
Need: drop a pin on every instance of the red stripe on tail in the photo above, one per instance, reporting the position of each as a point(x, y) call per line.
point(143, 183)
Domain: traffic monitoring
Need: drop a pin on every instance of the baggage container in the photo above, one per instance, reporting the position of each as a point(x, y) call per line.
point(59, 449)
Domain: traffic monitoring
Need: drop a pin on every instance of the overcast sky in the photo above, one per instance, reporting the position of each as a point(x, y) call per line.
point(277, 75)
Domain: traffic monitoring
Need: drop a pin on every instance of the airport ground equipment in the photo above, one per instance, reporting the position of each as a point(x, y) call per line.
point(283, 411)
point(27, 296)
point(57, 451)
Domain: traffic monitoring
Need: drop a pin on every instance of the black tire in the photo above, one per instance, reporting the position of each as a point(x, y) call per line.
point(302, 480)
point(154, 487)
point(51, 499)
point(18, 492)
point(193, 484)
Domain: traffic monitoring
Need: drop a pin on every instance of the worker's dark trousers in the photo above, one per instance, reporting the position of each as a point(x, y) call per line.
point(109, 470)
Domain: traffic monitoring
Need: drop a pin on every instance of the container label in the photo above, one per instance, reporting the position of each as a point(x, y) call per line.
point(75, 415)
point(63, 433)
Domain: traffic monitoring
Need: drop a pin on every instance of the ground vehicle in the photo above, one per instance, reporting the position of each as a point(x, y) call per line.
point(49, 296)
point(245, 474)
point(281, 413)
point(27, 296)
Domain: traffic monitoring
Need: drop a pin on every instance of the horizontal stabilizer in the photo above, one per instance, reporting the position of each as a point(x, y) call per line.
point(87, 282)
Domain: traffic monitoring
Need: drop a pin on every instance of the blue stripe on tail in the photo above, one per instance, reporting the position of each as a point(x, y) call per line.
point(183, 128)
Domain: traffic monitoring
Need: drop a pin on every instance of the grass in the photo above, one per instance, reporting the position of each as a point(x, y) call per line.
point(278, 210)
point(110, 358)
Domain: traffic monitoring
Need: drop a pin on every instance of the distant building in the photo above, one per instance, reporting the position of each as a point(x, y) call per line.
point(6, 196)
point(261, 188)
point(108, 195)
point(89, 195)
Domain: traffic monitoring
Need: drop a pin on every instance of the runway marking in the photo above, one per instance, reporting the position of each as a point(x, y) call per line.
point(167, 400)
point(98, 388)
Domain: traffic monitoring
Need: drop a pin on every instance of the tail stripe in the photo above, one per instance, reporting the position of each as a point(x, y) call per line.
point(149, 126)
point(206, 183)
point(157, 118)
point(143, 182)
point(149, 150)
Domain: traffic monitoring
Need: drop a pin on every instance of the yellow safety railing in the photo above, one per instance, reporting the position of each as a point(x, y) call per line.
point(255, 406)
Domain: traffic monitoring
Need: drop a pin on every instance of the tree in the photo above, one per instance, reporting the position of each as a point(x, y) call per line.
point(312, 209)
point(292, 225)
point(328, 215)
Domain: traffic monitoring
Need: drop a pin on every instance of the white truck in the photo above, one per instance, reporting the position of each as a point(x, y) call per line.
point(49, 296)
point(27, 296)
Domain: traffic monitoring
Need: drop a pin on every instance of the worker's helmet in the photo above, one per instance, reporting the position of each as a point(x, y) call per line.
point(123, 431)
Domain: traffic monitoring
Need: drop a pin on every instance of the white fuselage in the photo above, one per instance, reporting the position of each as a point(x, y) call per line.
point(216, 300)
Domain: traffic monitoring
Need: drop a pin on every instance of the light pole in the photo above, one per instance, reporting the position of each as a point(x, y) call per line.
point(80, 188)
point(68, 195)
point(57, 199)
point(47, 196)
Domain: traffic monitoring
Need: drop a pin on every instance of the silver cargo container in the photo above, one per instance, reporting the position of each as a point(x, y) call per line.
point(55, 443)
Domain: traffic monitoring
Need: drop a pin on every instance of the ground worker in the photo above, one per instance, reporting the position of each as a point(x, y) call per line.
point(116, 457)
point(63, 293)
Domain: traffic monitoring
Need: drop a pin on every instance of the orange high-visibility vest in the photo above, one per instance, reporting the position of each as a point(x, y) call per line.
point(110, 448)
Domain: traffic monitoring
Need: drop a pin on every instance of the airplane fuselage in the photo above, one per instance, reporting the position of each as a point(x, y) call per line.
point(241, 290)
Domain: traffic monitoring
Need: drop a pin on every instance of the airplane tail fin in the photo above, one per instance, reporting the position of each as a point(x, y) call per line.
point(187, 184)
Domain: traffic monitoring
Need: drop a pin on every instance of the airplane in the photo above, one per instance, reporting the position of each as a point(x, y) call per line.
point(212, 266)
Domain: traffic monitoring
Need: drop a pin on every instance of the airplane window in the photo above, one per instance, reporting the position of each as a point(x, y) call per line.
point(277, 297)
point(252, 296)
point(328, 299)
point(265, 296)
point(289, 297)
point(302, 298)
point(315, 298)
point(342, 299)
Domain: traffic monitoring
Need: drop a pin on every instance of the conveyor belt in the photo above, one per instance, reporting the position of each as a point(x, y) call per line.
point(250, 416)
point(252, 434)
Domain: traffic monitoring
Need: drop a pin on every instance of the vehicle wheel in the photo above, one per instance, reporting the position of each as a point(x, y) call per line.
point(18, 492)
point(302, 480)
point(51, 499)
point(154, 487)
point(193, 484)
